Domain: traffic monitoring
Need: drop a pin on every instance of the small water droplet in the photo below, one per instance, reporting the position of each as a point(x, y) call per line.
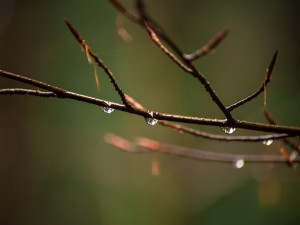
point(150, 120)
point(228, 130)
point(294, 155)
point(268, 142)
point(107, 109)
point(239, 163)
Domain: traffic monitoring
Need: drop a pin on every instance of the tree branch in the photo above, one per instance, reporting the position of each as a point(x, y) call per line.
point(261, 89)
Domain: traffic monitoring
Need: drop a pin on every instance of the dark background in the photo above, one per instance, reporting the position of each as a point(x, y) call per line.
point(55, 167)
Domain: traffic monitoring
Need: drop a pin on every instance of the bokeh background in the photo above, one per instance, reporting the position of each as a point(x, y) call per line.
point(55, 167)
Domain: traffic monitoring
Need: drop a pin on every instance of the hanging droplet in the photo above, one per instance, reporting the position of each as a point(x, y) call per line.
point(150, 120)
point(239, 163)
point(107, 109)
point(228, 130)
point(268, 142)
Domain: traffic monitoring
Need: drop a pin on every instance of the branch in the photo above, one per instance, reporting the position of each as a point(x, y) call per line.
point(208, 47)
point(146, 145)
point(286, 141)
point(198, 133)
point(21, 91)
point(159, 32)
point(61, 93)
point(89, 53)
point(261, 89)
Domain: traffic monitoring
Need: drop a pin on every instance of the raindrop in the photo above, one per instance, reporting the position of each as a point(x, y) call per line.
point(107, 109)
point(228, 130)
point(268, 142)
point(150, 120)
point(239, 163)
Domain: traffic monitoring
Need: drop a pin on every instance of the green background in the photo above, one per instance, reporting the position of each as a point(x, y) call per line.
point(55, 167)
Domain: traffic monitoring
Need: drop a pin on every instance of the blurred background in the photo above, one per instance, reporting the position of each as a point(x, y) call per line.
point(55, 167)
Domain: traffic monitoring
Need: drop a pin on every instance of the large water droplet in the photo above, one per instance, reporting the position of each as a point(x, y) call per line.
point(150, 120)
point(239, 163)
point(268, 142)
point(228, 130)
point(107, 109)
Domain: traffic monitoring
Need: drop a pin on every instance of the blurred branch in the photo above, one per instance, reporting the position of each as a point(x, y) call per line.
point(147, 145)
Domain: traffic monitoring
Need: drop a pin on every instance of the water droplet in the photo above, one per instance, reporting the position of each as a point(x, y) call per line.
point(239, 163)
point(228, 130)
point(294, 155)
point(268, 142)
point(107, 109)
point(150, 120)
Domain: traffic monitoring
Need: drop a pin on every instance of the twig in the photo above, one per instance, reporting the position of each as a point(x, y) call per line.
point(165, 50)
point(215, 137)
point(208, 47)
point(285, 140)
point(21, 91)
point(98, 61)
point(144, 144)
point(261, 89)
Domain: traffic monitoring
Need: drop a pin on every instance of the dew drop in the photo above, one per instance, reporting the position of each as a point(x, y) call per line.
point(107, 109)
point(228, 130)
point(239, 163)
point(268, 142)
point(150, 120)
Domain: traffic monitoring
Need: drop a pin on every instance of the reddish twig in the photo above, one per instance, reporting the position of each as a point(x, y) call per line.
point(208, 47)
point(165, 50)
point(145, 145)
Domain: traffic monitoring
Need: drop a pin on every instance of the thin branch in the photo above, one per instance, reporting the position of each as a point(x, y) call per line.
point(155, 39)
point(98, 61)
point(144, 144)
point(215, 137)
point(159, 32)
point(21, 91)
point(61, 93)
point(212, 44)
point(121, 30)
point(261, 89)
point(198, 133)
point(286, 141)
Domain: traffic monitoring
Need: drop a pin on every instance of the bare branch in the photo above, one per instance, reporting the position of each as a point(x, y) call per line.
point(261, 89)
point(144, 144)
point(155, 39)
point(98, 61)
point(21, 91)
point(198, 133)
point(208, 47)
point(61, 93)
point(157, 31)
point(286, 141)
